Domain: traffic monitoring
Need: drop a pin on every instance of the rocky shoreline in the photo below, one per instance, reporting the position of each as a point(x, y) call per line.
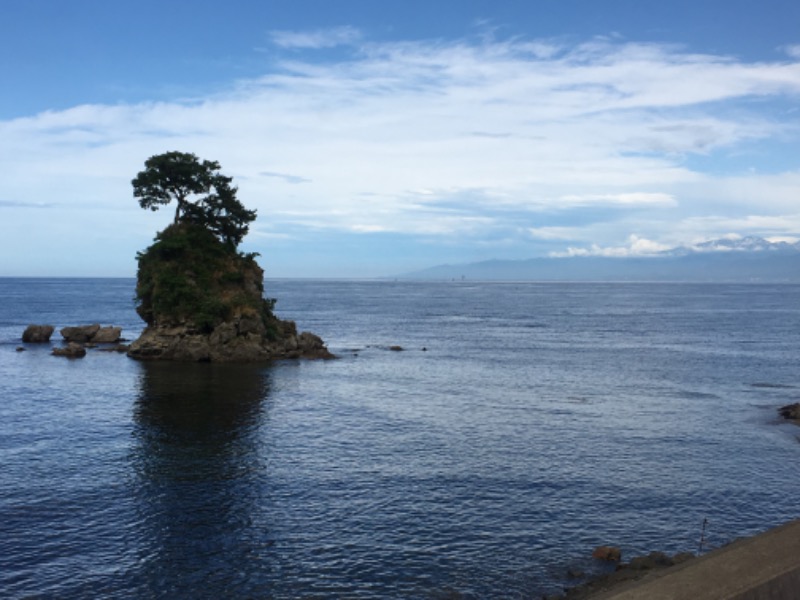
point(638, 567)
point(240, 340)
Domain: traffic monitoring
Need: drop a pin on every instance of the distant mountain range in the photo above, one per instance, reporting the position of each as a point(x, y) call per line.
point(749, 259)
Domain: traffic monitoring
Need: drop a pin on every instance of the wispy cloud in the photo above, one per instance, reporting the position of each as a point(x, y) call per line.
point(511, 139)
point(793, 51)
point(285, 177)
point(14, 204)
point(316, 40)
point(554, 233)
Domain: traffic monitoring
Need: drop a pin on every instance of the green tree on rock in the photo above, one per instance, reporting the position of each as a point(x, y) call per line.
point(193, 275)
point(203, 196)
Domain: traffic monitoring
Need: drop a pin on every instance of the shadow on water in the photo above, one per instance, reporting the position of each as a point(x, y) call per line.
point(198, 475)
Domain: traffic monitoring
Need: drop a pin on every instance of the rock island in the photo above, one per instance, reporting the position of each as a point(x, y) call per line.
point(201, 298)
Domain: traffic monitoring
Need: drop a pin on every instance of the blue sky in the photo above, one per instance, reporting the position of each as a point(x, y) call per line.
point(376, 138)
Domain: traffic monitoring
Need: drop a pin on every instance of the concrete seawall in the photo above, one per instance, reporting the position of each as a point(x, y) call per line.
point(763, 567)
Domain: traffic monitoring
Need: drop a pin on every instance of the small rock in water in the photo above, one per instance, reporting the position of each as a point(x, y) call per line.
point(639, 567)
point(37, 334)
point(80, 334)
point(116, 348)
point(790, 411)
point(107, 335)
point(651, 561)
point(575, 573)
point(609, 553)
point(71, 350)
point(20, 349)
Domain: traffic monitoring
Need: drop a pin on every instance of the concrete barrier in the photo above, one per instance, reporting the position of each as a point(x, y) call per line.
point(763, 567)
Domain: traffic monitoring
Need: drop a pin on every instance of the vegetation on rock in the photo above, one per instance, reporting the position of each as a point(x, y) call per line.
point(188, 276)
point(193, 274)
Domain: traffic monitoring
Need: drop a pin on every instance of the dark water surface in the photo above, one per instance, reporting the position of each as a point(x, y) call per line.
point(539, 421)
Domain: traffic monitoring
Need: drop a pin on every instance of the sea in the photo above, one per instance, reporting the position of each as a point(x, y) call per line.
point(472, 440)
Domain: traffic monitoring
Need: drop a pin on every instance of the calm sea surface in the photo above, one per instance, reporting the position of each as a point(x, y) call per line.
point(522, 425)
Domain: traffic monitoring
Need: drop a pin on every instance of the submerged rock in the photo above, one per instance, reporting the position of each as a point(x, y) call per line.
point(71, 350)
point(637, 568)
point(121, 348)
point(608, 553)
point(651, 561)
point(790, 412)
point(37, 334)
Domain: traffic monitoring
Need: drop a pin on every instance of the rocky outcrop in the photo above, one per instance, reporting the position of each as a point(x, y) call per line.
point(243, 339)
point(91, 334)
point(37, 334)
point(203, 301)
point(71, 350)
point(80, 334)
point(791, 412)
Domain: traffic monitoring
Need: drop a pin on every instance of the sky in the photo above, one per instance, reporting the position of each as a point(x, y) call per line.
point(379, 137)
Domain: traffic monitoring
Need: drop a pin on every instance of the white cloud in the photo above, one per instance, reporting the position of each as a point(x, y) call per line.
point(636, 246)
point(554, 233)
point(448, 138)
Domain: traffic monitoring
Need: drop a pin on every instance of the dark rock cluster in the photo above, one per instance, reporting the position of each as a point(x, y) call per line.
point(91, 334)
point(790, 412)
point(77, 338)
point(638, 567)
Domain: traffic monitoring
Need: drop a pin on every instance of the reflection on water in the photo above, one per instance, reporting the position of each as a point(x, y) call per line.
point(198, 472)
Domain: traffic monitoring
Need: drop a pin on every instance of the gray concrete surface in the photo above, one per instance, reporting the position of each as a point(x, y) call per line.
point(763, 567)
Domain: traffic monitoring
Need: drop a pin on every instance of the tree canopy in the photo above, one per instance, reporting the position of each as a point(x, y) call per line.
point(203, 196)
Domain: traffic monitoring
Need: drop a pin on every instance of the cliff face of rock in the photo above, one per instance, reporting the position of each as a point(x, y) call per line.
point(237, 340)
point(203, 301)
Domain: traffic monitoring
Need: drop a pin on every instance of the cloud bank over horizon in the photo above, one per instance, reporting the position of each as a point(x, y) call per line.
point(513, 146)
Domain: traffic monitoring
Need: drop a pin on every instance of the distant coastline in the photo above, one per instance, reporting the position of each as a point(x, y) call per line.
point(754, 260)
